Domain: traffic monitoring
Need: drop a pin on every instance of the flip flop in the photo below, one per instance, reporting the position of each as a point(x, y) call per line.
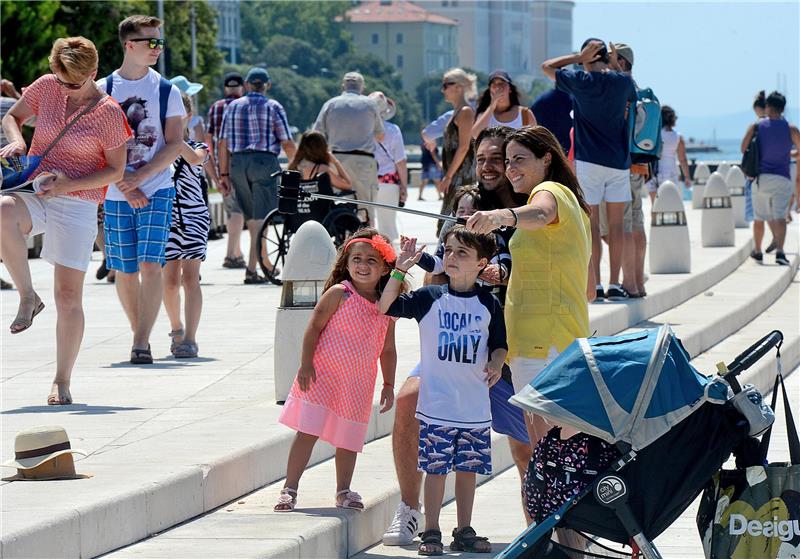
point(26, 323)
point(56, 399)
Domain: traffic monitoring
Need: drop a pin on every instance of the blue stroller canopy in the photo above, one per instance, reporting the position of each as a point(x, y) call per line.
point(631, 388)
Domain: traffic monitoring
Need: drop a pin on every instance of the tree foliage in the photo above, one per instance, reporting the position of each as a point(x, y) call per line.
point(37, 24)
point(319, 22)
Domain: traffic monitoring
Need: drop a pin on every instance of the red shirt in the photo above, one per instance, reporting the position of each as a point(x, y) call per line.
point(81, 151)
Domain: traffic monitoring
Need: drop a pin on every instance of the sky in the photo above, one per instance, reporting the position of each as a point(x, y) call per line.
point(705, 59)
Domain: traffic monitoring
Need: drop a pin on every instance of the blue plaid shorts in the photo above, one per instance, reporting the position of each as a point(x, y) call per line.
point(135, 235)
point(443, 448)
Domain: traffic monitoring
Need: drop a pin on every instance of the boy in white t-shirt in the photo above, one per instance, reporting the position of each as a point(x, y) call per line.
point(463, 348)
point(138, 208)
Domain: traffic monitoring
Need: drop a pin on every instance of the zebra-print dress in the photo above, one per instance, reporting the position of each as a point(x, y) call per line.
point(188, 234)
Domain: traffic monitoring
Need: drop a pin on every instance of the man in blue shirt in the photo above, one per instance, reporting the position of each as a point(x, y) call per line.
point(601, 103)
point(553, 110)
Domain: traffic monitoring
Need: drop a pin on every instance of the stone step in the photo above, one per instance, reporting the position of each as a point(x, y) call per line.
point(381, 501)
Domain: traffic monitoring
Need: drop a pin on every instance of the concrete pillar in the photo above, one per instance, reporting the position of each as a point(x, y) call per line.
point(735, 181)
point(701, 174)
point(669, 249)
point(723, 168)
point(306, 268)
point(717, 220)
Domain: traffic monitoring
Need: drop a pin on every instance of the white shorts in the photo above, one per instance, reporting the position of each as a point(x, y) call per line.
point(69, 225)
point(771, 195)
point(603, 183)
point(524, 369)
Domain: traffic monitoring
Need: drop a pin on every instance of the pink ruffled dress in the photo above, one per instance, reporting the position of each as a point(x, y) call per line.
point(336, 407)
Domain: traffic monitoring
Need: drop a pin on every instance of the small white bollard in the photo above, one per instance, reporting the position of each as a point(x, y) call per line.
point(723, 168)
point(307, 266)
point(717, 220)
point(701, 174)
point(735, 181)
point(670, 252)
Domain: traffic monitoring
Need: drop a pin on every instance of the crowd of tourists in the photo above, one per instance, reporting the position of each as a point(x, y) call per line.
point(540, 189)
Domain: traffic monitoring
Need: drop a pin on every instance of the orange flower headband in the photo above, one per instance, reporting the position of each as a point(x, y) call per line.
point(378, 243)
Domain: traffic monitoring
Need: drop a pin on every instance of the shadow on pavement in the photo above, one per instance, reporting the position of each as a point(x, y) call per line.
point(75, 409)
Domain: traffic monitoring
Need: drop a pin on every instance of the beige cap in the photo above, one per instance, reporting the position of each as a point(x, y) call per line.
point(625, 52)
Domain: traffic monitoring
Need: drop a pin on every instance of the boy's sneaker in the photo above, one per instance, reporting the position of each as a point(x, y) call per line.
point(600, 293)
point(757, 256)
point(771, 247)
point(780, 259)
point(405, 526)
point(617, 293)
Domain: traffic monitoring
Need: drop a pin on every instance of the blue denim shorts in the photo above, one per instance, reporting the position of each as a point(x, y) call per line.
point(443, 448)
point(135, 235)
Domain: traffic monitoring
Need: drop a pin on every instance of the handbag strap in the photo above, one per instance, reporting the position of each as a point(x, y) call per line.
point(69, 125)
point(791, 428)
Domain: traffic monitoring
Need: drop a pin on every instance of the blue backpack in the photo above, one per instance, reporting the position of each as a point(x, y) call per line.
point(645, 128)
point(164, 89)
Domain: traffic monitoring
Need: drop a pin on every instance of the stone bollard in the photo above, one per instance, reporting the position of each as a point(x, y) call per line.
point(735, 181)
point(670, 252)
point(717, 220)
point(723, 168)
point(307, 266)
point(701, 174)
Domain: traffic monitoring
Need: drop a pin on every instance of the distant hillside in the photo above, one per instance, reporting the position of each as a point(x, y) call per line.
point(726, 126)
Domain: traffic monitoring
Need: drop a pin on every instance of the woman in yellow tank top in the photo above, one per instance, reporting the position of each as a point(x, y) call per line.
point(550, 283)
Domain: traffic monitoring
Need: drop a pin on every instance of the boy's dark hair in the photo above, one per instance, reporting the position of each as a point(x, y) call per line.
point(777, 101)
point(468, 190)
point(484, 244)
point(130, 26)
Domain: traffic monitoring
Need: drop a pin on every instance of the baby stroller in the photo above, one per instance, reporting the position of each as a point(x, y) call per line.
point(673, 427)
point(274, 237)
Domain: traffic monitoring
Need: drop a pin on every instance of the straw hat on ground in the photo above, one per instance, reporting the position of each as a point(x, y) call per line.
point(43, 453)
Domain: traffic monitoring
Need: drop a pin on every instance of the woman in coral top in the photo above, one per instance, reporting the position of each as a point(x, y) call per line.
point(90, 155)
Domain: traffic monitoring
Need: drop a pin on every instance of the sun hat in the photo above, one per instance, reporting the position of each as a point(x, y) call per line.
point(257, 75)
point(233, 79)
point(353, 80)
point(500, 74)
point(187, 87)
point(625, 52)
point(33, 447)
point(386, 106)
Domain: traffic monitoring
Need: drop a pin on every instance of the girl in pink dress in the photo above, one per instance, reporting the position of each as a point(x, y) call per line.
point(331, 398)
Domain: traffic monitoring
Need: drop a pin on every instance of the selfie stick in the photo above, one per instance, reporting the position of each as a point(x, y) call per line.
point(338, 199)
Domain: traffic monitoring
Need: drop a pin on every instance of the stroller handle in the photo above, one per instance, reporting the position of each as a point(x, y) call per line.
point(748, 357)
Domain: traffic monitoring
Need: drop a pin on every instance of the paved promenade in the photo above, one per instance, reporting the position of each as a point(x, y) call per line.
point(171, 441)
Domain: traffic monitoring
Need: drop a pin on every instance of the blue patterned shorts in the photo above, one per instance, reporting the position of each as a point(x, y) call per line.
point(135, 235)
point(442, 449)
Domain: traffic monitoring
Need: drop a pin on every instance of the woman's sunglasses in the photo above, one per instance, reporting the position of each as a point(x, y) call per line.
point(70, 86)
point(152, 43)
point(445, 85)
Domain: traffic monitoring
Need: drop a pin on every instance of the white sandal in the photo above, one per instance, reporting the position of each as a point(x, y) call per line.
point(287, 500)
point(352, 500)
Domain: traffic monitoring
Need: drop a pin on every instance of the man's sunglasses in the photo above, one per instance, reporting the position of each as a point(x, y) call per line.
point(70, 86)
point(152, 43)
point(445, 85)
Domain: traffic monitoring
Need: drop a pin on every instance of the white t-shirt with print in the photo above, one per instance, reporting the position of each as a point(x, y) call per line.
point(139, 100)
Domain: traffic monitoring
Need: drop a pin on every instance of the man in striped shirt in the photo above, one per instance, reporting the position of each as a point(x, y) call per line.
point(254, 129)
